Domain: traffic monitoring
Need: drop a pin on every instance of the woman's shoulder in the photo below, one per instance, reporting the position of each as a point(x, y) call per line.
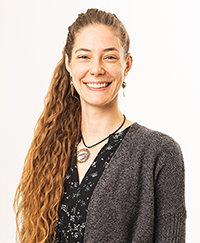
point(141, 136)
point(153, 149)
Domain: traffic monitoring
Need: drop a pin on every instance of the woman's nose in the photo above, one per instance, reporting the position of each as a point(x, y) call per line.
point(97, 68)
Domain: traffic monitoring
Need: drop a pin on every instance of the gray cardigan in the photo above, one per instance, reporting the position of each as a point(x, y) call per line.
point(140, 196)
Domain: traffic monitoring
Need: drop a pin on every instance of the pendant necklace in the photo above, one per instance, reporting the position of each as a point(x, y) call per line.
point(84, 154)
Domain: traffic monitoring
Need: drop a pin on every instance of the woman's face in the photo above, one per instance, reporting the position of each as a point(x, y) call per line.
point(97, 65)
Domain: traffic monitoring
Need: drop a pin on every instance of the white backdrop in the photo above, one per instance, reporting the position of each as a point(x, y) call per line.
point(162, 88)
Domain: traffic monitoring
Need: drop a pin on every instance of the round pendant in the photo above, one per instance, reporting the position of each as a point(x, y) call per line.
point(83, 155)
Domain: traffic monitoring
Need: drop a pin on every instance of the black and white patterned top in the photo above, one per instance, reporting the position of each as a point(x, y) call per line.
point(74, 204)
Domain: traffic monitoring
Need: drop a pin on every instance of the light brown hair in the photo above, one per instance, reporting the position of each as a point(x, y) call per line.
point(40, 189)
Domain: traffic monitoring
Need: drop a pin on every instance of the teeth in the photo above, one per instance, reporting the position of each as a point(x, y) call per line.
point(97, 85)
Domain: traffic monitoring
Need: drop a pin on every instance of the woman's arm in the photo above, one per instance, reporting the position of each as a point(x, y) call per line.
point(170, 213)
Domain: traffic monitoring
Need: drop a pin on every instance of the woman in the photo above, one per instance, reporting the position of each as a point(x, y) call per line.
point(90, 174)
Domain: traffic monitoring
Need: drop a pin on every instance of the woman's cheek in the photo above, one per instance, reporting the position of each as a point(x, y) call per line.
point(80, 71)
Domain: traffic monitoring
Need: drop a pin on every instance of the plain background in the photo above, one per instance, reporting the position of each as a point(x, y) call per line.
point(163, 89)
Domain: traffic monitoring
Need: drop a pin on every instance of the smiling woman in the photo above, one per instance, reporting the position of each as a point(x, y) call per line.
point(91, 175)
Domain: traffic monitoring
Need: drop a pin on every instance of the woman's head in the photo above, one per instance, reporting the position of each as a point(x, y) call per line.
point(97, 57)
point(93, 17)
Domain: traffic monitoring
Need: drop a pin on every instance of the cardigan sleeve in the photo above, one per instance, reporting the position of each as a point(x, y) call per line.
point(170, 213)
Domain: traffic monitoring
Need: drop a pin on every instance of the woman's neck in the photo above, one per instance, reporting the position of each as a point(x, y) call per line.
point(99, 123)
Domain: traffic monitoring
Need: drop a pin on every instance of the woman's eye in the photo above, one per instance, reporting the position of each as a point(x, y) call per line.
point(82, 57)
point(111, 57)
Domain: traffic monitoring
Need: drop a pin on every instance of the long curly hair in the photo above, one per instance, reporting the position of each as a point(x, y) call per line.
point(40, 189)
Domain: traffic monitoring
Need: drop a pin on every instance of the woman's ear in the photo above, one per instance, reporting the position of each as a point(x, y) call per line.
point(129, 62)
point(67, 64)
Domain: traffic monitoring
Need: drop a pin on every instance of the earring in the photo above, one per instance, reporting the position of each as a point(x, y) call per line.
point(124, 86)
point(72, 86)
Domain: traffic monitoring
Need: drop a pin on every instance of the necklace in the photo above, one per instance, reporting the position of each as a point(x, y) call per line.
point(84, 154)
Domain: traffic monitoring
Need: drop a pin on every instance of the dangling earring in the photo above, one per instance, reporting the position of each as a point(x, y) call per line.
point(72, 86)
point(124, 86)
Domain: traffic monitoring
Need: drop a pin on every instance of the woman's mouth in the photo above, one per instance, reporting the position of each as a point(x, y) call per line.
point(97, 85)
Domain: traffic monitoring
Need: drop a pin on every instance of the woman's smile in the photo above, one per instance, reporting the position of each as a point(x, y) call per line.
point(97, 85)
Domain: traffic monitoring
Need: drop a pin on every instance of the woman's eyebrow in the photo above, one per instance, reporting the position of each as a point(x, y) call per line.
point(82, 49)
point(111, 49)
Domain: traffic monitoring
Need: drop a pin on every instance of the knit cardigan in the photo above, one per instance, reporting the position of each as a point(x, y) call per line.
point(140, 196)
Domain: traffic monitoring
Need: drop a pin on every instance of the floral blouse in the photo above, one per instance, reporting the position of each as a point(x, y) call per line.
point(74, 204)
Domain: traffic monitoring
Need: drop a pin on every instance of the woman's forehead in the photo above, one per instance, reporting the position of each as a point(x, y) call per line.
point(97, 37)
